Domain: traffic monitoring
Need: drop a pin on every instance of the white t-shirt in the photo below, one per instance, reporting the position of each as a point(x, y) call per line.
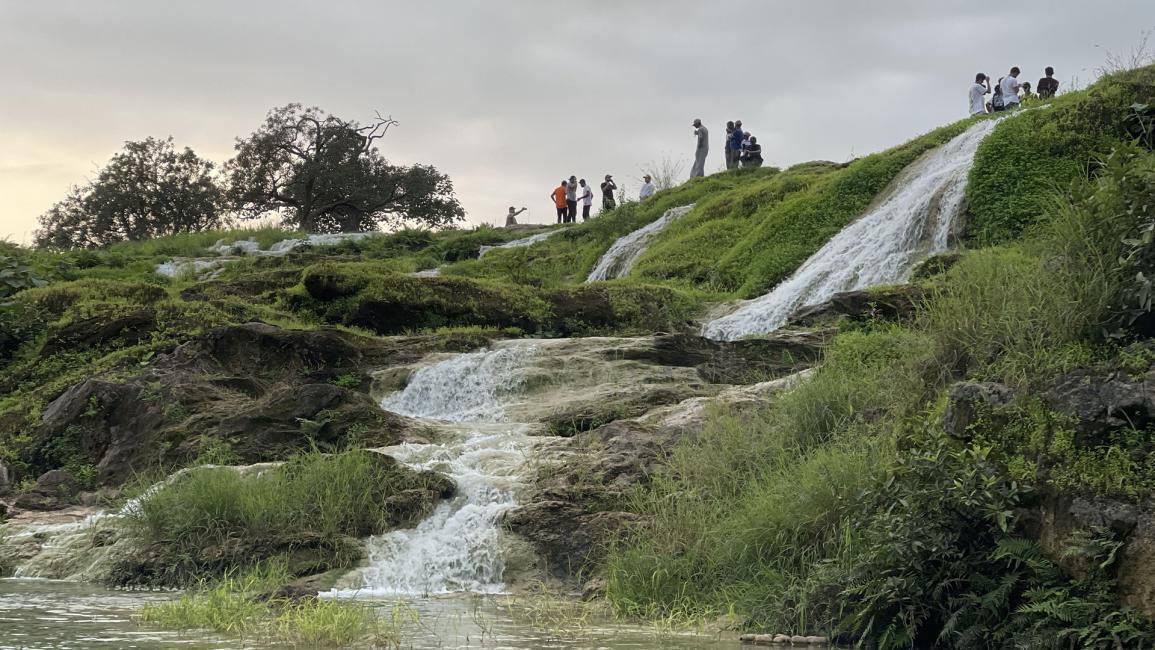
point(587, 195)
point(978, 99)
point(647, 190)
point(1010, 88)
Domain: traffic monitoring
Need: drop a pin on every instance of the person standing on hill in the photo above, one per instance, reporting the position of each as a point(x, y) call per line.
point(1010, 90)
point(608, 189)
point(979, 89)
point(1048, 85)
point(571, 189)
point(558, 197)
point(702, 148)
point(511, 218)
point(731, 158)
point(736, 139)
point(648, 188)
point(587, 199)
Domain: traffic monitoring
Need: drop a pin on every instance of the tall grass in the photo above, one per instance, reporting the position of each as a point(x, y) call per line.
point(214, 518)
point(234, 606)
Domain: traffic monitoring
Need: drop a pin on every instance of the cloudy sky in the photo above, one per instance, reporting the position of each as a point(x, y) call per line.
point(509, 96)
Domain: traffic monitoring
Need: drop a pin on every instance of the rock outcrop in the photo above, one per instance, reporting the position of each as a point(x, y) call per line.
point(258, 391)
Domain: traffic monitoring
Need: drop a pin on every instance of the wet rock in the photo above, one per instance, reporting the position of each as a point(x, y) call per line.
point(798, 640)
point(970, 402)
point(886, 303)
point(565, 533)
point(3, 511)
point(817, 640)
point(1101, 402)
point(781, 639)
point(736, 362)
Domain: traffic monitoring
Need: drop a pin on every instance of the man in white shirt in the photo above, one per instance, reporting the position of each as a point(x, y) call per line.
point(978, 92)
point(648, 188)
point(1010, 87)
point(587, 198)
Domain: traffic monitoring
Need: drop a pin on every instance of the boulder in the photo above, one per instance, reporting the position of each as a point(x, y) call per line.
point(54, 489)
point(736, 362)
point(886, 303)
point(1101, 402)
point(565, 533)
point(970, 402)
point(6, 479)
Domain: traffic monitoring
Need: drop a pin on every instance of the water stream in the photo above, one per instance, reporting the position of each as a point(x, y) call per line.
point(912, 221)
point(457, 548)
point(524, 241)
point(620, 258)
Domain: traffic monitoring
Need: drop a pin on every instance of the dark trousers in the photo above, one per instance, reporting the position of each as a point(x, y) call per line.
point(562, 213)
point(571, 212)
point(586, 211)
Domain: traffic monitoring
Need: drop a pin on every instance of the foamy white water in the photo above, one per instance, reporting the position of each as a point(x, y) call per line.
point(912, 222)
point(524, 241)
point(457, 548)
point(620, 258)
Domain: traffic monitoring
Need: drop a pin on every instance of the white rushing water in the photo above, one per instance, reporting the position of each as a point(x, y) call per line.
point(518, 243)
point(458, 547)
point(913, 221)
point(620, 258)
point(229, 250)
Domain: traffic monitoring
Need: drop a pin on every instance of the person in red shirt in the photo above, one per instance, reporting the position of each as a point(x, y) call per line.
point(559, 201)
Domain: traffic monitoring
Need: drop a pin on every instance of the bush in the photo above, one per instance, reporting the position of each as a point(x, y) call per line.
point(209, 520)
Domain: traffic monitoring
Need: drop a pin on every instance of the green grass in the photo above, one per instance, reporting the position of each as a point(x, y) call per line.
point(212, 519)
point(843, 509)
point(229, 607)
point(1038, 153)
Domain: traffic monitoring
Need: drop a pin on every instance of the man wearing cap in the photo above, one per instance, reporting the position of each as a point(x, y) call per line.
point(571, 189)
point(648, 188)
point(608, 189)
point(702, 148)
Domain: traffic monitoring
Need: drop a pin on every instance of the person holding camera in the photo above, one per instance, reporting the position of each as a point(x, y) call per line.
point(608, 189)
point(978, 92)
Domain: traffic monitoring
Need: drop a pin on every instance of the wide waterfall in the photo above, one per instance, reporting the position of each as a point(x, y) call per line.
point(457, 548)
point(914, 220)
point(619, 260)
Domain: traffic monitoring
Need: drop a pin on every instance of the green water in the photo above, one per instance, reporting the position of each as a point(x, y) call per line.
point(44, 614)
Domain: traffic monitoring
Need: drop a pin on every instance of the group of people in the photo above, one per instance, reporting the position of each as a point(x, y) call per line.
point(742, 148)
point(572, 191)
point(1008, 93)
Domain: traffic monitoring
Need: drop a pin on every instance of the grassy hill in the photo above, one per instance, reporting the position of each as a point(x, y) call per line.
point(851, 506)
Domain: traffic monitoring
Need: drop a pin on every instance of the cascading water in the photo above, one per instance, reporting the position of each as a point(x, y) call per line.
point(620, 259)
point(913, 221)
point(518, 243)
point(457, 548)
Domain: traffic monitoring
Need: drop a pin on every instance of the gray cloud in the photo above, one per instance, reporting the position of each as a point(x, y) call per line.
point(510, 96)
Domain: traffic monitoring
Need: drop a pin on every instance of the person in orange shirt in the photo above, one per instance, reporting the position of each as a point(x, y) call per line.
point(559, 201)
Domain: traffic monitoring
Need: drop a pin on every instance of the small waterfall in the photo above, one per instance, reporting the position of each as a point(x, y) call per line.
point(457, 548)
point(619, 260)
point(517, 243)
point(913, 221)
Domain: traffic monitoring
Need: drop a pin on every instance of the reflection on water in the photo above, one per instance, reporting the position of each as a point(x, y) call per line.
point(43, 614)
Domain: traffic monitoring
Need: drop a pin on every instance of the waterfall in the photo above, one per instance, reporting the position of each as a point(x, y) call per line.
point(457, 548)
point(524, 241)
point(619, 260)
point(912, 221)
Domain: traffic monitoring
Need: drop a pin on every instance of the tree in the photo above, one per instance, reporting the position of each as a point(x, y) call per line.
point(147, 190)
point(325, 174)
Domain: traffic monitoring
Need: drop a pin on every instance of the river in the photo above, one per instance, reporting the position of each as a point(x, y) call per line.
point(50, 614)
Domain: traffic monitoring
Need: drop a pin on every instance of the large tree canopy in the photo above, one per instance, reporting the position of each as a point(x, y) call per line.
point(324, 174)
point(147, 190)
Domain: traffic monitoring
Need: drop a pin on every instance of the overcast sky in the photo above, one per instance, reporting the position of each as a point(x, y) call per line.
point(509, 96)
